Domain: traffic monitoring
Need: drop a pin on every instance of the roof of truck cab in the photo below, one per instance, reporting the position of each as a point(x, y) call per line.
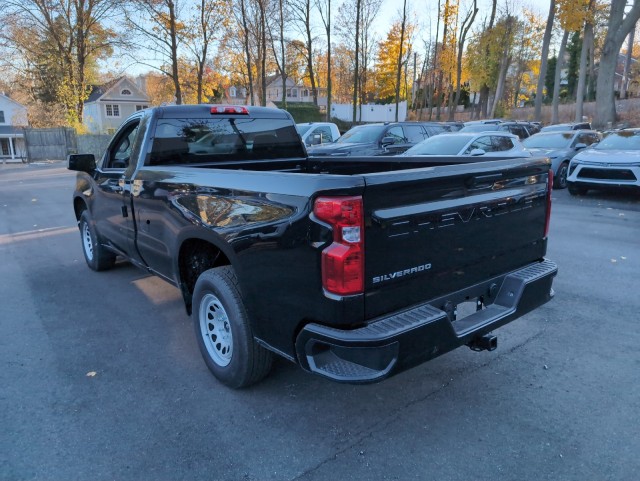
point(204, 110)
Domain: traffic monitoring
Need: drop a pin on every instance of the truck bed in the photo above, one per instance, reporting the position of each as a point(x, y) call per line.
point(342, 165)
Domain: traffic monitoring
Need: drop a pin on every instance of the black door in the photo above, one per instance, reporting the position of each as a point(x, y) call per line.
point(109, 208)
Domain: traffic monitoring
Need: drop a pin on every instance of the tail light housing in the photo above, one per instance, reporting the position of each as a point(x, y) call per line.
point(343, 261)
point(549, 189)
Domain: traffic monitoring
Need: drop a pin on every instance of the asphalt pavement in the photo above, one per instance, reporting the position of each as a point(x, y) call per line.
point(101, 377)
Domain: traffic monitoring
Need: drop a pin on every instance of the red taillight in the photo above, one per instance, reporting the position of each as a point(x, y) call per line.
point(229, 109)
point(550, 188)
point(343, 260)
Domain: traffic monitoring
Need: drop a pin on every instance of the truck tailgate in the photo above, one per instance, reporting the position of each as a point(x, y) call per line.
point(433, 231)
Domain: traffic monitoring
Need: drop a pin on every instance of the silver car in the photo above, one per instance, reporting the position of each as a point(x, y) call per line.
point(560, 147)
point(614, 162)
point(484, 144)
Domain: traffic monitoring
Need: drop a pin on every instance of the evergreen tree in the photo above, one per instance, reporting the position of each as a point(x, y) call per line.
point(549, 78)
point(574, 49)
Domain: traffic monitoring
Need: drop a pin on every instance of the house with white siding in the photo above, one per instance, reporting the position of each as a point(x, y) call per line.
point(110, 104)
point(13, 117)
point(295, 92)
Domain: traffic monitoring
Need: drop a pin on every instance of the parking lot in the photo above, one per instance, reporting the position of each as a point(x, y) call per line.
point(101, 377)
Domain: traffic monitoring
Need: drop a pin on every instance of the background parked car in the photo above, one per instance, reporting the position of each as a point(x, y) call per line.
point(380, 139)
point(521, 129)
point(614, 162)
point(485, 144)
point(315, 133)
point(568, 126)
point(560, 147)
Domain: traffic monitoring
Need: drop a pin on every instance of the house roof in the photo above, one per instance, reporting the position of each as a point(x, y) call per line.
point(10, 131)
point(6, 97)
point(99, 91)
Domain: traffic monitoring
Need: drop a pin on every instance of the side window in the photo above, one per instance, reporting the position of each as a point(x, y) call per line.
point(588, 138)
point(325, 134)
point(397, 134)
point(501, 144)
point(414, 133)
point(519, 130)
point(120, 149)
point(483, 143)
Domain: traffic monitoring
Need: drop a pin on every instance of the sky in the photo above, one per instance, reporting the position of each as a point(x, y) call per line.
point(424, 11)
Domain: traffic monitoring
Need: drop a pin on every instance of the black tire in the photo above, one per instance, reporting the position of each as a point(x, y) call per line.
point(560, 182)
point(98, 258)
point(576, 189)
point(224, 332)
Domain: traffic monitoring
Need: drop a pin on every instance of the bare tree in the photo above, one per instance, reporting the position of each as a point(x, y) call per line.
point(587, 41)
point(246, 44)
point(302, 13)
point(281, 58)
point(209, 15)
point(464, 30)
point(618, 27)
point(627, 64)
point(483, 104)
point(546, 41)
point(505, 61)
point(156, 24)
point(558, 77)
point(400, 54)
point(357, 57)
point(324, 7)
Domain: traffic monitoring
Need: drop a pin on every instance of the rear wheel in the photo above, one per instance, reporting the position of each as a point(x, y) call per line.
point(575, 189)
point(560, 181)
point(98, 258)
point(224, 332)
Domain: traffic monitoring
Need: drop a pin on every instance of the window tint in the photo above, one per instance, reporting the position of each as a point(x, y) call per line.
point(483, 143)
point(519, 130)
point(325, 134)
point(501, 144)
point(397, 134)
point(436, 129)
point(362, 133)
point(193, 141)
point(414, 133)
point(585, 138)
point(119, 151)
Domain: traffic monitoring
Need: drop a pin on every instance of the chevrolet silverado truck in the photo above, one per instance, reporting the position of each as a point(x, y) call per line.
point(355, 268)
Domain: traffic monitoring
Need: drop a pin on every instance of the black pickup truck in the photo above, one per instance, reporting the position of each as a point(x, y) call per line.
point(355, 268)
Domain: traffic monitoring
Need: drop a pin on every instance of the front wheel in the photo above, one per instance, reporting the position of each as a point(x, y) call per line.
point(224, 332)
point(98, 258)
point(560, 181)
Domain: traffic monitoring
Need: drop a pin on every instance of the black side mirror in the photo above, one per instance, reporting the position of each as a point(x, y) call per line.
point(388, 141)
point(81, 162)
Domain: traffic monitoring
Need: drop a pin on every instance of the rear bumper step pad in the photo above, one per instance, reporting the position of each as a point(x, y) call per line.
point(394, 343)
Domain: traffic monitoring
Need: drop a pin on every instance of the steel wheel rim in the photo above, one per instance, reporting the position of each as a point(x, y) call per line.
point(215, 329)
point(563, 175)
point(87, 242)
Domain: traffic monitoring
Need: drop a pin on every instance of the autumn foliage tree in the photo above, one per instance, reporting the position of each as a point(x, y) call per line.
point(387, 62)
point(56, 45)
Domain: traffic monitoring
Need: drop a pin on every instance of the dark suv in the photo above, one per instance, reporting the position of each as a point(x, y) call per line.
point(389, 138)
